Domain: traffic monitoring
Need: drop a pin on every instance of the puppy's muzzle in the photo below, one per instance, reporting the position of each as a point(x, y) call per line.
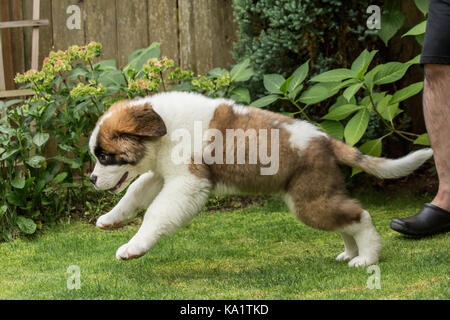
point(93, 179)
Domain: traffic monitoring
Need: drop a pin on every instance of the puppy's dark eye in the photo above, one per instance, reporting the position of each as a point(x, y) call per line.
point(103, 157)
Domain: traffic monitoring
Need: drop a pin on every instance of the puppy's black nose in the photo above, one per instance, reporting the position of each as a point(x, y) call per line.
point(93, 178)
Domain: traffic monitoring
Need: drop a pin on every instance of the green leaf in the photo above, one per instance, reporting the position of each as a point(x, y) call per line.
point(18, 182)
point(423, 139)
point(407, 92)
point(334, 75)
point(241, 71)
point(417, 30)
point(288, 114)
point(372, 148)
point(316, 93)
point(67, 148)
point(26, 225)
point(340, 100)
point(3, 210)
point(420, 38)
point(356, 127)
point(15, 199)
point(361, 64)
point(294, 93)
point(299, 76)
point(376, 97)
point(40, 138)
point(240, 94)
point(12, 102)
point(106, 65)
point(77, 72)
point(138, 58)
point(8, 154)
point(112, 78)
point(217, 72)
point(422, 5)
point(284, 87)
point(60, 178)
point(342, 112)
point(265, 101)
point(391, 22)
point(273, 82)
point(49, 112)
point(245, 75)
point(36, 161)
point(333, 128)
point(387, 110)
point(389, 72)
point(415, 60)
point(73, 163)
point(352, 90)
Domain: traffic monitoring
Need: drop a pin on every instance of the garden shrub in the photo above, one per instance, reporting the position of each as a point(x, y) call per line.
point(277, 35)
point(71, 92)
point(349, 117)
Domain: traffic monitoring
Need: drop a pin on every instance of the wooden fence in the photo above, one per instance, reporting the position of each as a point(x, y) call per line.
point(198, 34)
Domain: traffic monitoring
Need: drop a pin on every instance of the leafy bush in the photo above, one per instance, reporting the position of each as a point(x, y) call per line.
point(276, 34)
point(38, 182)
point(392, 20)
point(348, 118)
point(219, 83)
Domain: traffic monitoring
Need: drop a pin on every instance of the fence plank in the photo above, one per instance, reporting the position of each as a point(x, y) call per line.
point(101, 25)
point(132, 31)
point(197, 34)
point(186, 26)
point(62, 36)
point(17, 39)
point(203, 35)
point(35, 36)
point(207, 32)
point(16, 93)
point(224, 30)
point(2, 69)
point(23, 23)
point(8, 70)
point(45, 32)
point(163, 26)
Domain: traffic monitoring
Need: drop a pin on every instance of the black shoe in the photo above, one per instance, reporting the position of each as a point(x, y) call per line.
point(430, 220)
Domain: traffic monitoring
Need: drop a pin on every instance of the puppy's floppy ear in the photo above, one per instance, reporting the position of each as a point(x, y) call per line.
point(143, 121)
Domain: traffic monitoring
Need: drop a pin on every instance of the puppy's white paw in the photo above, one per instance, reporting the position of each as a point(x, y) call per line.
point(361, 261)
point(130, 250)
point(107, 222)
point(346, 256)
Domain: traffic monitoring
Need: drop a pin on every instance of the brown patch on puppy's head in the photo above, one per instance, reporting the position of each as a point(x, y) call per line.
point(124, 129)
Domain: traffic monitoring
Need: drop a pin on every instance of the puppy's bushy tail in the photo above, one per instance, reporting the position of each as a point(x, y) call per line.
point(380, 167)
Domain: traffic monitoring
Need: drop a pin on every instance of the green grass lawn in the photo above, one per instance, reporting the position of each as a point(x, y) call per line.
point(260, 252)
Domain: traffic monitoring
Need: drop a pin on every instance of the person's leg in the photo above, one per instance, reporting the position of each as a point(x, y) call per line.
point(434, 217)
point(436, 108)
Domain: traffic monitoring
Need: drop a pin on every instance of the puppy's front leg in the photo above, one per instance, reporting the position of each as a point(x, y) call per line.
point(138, 196)
point(177, 203)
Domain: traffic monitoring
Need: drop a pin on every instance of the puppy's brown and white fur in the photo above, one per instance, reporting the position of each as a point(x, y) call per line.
point(133, 139)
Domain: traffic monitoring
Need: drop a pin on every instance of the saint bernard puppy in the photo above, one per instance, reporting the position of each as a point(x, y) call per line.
point(141, 140)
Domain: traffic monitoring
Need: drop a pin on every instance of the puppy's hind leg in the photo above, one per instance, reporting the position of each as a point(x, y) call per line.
point(367, 240)
point(351, 249)
point(339, 213)
point(138, 196)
